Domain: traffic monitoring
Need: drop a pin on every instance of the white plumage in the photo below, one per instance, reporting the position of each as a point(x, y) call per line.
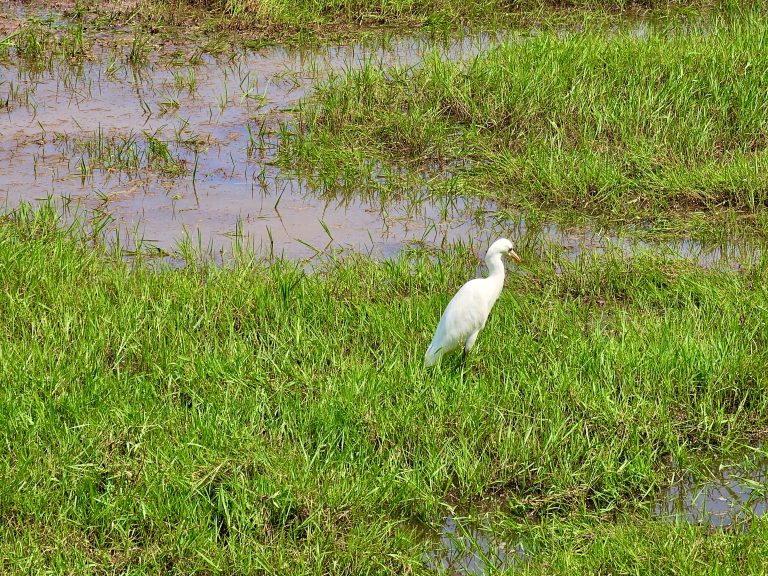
point(468, 310)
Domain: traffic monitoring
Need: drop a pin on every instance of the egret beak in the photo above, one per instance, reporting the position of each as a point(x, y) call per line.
point(514, 256)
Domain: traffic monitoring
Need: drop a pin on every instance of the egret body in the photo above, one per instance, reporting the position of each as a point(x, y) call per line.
point(468, 310)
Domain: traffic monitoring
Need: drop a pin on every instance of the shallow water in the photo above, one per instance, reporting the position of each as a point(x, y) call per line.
point(735, 493)
point(85, 136)
point(464, 547)
point(729, 498)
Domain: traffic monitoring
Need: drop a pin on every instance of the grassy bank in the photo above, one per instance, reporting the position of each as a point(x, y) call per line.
point(256, 419)
point(631, 547)
point(666, 130)
point(280, 21)
point(324, 17)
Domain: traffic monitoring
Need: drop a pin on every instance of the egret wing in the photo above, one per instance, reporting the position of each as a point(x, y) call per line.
point(465, 314)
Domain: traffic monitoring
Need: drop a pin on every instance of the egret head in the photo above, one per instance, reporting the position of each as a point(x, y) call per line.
point(504, 247)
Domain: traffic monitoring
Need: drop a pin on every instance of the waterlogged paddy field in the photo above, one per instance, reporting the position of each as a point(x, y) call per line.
point(272, 415)
point(158, 148)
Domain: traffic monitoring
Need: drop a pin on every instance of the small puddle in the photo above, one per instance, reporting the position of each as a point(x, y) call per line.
point(733, 495)
point(467, 547)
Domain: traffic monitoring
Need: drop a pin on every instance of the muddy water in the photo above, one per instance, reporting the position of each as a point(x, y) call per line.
point(464, 547)
point(734, 493)
point(729, 497)
point(83, 134)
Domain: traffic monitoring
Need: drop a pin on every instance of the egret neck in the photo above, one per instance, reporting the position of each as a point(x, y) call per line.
point(495, 277)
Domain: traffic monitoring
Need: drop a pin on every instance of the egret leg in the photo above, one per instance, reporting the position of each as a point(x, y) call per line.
point(470, 342)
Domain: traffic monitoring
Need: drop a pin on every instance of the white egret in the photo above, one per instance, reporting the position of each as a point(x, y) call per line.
point(468, 310)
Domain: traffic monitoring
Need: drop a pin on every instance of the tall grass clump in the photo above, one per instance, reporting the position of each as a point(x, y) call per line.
point(38, 41)
point(633, 127)
point(259, 419)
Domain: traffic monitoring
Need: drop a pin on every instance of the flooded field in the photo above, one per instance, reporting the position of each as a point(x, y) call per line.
point(732, 496)
point(158, 142)
point(262, 419)
point(468, 547)
point(182, 144)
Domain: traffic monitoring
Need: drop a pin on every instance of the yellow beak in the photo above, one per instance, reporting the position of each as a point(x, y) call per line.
point(515, 257)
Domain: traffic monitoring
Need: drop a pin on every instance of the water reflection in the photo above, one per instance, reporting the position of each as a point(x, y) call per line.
point(465, 547)
point(733, 495)
point(172, 149)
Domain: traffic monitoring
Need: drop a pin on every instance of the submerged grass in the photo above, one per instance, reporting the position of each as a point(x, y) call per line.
point(651, 129)
point(41, 40)
point(626, 546)
point(125, 154)
point(259, 419)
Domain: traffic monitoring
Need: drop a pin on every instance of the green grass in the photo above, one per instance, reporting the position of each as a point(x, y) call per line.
point(125, 154)
point(253, 418)
point(307, 20)
point(628, 547)
point(309, 17)
point(666, 131)
point(311, 13)
point(41, 40)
